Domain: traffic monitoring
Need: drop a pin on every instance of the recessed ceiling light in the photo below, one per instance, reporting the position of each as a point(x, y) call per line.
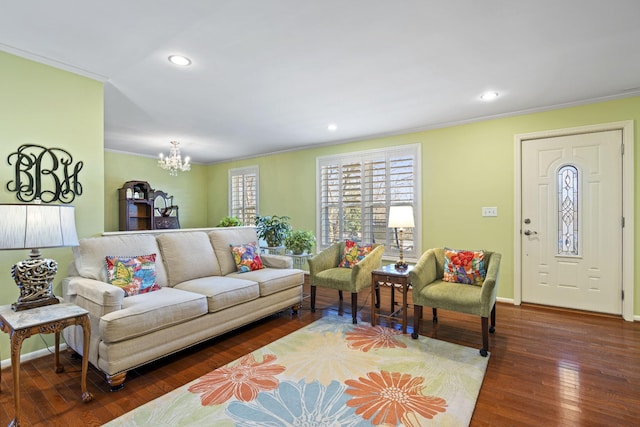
point(332, 127)
point(179, 60)
point(489, 96)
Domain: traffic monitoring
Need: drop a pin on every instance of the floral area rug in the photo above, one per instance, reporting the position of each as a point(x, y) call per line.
point(329, 373)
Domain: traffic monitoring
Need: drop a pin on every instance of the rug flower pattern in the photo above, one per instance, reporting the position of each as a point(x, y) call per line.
point(330, 373)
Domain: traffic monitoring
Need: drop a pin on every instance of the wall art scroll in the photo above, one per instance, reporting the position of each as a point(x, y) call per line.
point(48, 174)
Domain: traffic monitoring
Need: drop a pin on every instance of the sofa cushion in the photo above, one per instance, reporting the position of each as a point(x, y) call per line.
point(145, 313)
point(272, 280)
point(224, 237)
point(464, 266)
point(90, 254)
point(187, 256)
point(221, 291)
point(246, 257)
point(135, 275)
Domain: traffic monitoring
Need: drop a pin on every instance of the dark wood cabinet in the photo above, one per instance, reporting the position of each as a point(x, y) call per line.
point(136, 206)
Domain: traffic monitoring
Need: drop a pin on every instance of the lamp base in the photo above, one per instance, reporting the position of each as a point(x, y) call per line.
point(25, 305)
point(34, 278)
point(401, 265)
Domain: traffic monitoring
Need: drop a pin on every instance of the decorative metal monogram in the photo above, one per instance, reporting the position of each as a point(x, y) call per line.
point(44, 173)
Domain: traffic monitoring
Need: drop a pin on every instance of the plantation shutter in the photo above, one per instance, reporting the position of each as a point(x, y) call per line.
point(356, 190)
point(243, 194)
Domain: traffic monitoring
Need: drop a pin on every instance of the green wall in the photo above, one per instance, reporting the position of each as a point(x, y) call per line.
point(56, 109)
point(464, 168)
point(189, 189)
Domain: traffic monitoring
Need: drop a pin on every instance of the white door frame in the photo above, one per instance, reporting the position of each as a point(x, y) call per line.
point(627, 206)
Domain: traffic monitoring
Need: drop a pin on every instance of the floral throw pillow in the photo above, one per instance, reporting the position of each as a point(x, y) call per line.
point(353, 253)
point(464, 266)
point(247, 257)
point(134, 274)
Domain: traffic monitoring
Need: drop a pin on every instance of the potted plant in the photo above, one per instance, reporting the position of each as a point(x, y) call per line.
point(300, 241)
point(273, 229)
point(230, 221)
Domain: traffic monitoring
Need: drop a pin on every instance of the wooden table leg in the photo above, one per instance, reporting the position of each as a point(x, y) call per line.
point(393, 298)
point(373, 301)
point(58, 365)
point(405, 288)
point(16, 344)
point(86, 330)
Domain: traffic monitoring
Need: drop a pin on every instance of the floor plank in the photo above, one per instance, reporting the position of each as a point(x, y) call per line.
point(547, 367)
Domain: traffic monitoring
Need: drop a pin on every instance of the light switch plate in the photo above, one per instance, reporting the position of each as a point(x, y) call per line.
point(490, 211)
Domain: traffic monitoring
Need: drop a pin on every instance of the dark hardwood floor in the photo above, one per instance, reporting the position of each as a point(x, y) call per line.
point(548, 367)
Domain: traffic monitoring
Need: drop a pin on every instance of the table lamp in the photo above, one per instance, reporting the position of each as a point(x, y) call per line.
point(401, 217)
point(35, 226)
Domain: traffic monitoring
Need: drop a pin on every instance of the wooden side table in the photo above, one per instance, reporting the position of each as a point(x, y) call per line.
point(390, 276)
point(43, 320)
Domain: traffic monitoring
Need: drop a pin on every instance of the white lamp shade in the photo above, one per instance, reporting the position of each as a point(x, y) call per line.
point(401, 217)
point(34, 226)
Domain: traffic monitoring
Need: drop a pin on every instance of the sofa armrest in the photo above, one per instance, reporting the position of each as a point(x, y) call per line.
point(99, 298)
point(324, 260)
point(276, 261)
point(424, 272)
point(361, 272)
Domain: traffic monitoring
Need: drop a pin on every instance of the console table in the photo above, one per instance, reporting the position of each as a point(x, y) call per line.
point(389, 275)
point(43, 320)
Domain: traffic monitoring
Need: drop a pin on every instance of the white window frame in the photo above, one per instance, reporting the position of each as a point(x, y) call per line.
point(240, 211)
point(412, 237)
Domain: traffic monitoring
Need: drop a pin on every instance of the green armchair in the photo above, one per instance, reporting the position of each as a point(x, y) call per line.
point(429, 290)
point(324, 272)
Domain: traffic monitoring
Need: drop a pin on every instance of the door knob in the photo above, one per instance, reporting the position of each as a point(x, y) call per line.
point(529, 232)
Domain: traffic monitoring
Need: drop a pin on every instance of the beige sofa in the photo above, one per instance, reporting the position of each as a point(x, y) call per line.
point(201, 296)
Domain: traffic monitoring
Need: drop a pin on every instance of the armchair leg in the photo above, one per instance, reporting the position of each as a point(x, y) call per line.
point(417, 318)
point(435, 315)
point(313, 299)
point(354, 307)
point(485, 337)
point(340, 295)
point(492, 329)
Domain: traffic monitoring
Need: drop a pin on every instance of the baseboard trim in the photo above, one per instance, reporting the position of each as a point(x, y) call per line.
point(5, 363)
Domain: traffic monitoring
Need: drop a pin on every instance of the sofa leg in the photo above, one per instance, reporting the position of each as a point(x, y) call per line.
point(417, 318)
point(295, 308)
point(354, 307)
point(492, 329)
point(116, 382)
point(485, 337)
point(313, 299)
point(340, 295)
point(435, 315)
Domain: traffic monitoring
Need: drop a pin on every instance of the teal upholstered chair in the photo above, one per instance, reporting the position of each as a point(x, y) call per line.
point(430, 290)
point(324, 272)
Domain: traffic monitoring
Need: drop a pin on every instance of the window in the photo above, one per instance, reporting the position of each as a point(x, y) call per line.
point(243, 194)
point(355, 191)
point(568, 211)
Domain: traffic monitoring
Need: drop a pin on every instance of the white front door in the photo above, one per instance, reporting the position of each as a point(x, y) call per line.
point(571, 221)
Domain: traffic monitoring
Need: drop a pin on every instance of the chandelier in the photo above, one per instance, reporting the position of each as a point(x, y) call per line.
point(173, 163)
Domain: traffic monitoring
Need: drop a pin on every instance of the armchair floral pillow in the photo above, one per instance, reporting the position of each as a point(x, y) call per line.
point(353, 253)
point(464, 266)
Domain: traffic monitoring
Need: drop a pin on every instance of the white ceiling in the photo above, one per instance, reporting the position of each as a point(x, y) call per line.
point(270, 75)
